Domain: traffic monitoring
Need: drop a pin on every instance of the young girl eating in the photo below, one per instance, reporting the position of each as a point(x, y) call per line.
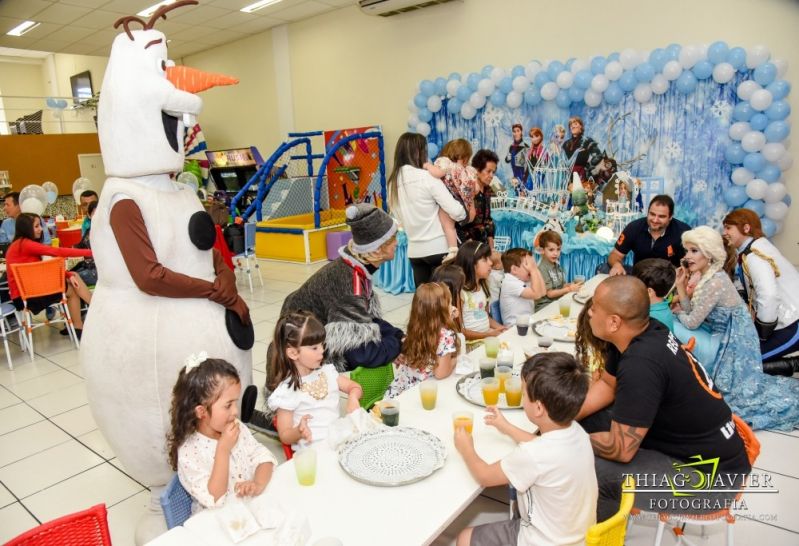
point(305, 393)
point(215, 455)
point(475, 260)
point(431, 346)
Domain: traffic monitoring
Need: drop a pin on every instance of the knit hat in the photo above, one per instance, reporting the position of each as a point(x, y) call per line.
point(371, 227)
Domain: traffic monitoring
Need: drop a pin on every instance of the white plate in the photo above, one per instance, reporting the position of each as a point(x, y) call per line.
point(469, 388)
point(390, 456)
point(559, 329)
point(581, 298)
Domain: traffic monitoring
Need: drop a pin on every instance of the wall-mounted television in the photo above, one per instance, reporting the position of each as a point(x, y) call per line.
point(81, 87)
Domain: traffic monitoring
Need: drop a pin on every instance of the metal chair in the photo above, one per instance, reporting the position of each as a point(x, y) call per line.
point(8, 309)
point(612, 531)
point(176, 503)
point(85, 528)
point(43, 278)
point(249, 253)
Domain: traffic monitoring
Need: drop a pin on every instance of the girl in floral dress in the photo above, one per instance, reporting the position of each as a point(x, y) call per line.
point(475, 259)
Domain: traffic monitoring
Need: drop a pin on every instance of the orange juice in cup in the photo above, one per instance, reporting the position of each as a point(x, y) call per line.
point(490, 387)
point(502, 373)
point(464, 420)
point(513, 391)
point(429, 392)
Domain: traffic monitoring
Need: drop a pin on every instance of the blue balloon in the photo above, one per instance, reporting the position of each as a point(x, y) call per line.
point(517, 70)
point(582, 79)
point(644, 72)
point(506, 84)
point(498, 98)
point(770, 173)
point(737, 58)
point(779, 89)
point(532, 96)
point(454, 105)
point(754, 162)
point(615, 56)
point(778, 110)
point(686, 83)
point(427, 88)
point(563, 100)
point(541, 78)
point(420, 100)
point(432, 150)
point(717, 52)
point(613, 94)
point(424, 115)
point(463, 93)
point(658, 59)
point(673, 52)
point(734, 153)
point(473, 80)
point(777, 131)
point(743, 111)
point(765, 73)
point(486, 71)
point(769, 227)
point(555, 68)
point(756, 205)
point(569, 63)
point(627, 82)
point(758, 122)
point(787, 199)
point(51, 102)
point(735, 196)
point(441, 86)
point(454, 76)
point(703, 70)
point(576, 94)
point(598, 65)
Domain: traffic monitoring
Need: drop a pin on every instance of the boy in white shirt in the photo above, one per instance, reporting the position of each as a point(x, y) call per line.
point(553, 474)
point(495, 277)
point(521, 285)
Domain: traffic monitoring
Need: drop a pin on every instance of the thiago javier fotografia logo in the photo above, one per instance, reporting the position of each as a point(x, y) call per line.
point(697, 485)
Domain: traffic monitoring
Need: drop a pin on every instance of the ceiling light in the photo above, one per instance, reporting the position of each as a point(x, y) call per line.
point(21, 29)
point(149, 11)
point(258, 5)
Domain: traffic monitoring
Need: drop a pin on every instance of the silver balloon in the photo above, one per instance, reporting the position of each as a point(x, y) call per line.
point(190, 179)
point(33, 199)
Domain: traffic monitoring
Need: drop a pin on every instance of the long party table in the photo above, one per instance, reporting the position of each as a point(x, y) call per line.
point(358, 514)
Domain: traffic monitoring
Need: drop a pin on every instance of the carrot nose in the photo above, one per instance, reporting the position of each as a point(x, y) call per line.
point(192, 80)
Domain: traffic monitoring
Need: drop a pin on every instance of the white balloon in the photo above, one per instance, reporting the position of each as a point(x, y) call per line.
point(782, 66)
point(629, 58)
point(468, 111)
point(741, 176)
point(485, 87)
point(564, 80)
point(580, 64)
point(753, 141)
point(423, 128)
point(514, 99)
point(702, 51)
point(413, 120)
point(190, 179)
point(614, 70)
point(756, 189)
point(756, 55)
point(412, 108)
point(659, 84)
point(549, 91)
point(477, 100)
point(80, 185)
point(775, 192)
point(773, 151)
point(689, 56)
point(672, 70)
point(434, 103)
point(497, 73)
point(642, 93)
point(723, 73)
point(599, 83)
point(521, 83)
point(592, 98)
point(785, 162)
point(32, 206)
point(532, 68)
point(761, 99)
point(776, 211)
point(739, 129)
point(746, 88)
point(452, 88)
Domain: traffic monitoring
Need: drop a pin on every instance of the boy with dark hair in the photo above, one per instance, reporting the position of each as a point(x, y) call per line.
point(659, 277)
point(550, 243)
point(553, 473)
point(521, 285)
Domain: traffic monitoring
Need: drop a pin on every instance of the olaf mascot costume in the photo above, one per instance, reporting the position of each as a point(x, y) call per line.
point(162, 294)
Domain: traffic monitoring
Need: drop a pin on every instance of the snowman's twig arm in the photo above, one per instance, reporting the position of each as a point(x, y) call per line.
point(147, 272)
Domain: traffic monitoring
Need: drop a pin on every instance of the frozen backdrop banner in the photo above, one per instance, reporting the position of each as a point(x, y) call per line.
point(712, 120)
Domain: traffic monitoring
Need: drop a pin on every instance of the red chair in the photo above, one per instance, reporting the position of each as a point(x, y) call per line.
point(86, 528)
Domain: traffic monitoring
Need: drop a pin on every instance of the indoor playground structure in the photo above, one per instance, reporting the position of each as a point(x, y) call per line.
point(301, 195)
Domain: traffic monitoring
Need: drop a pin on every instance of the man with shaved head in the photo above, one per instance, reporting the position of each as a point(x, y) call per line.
point(655, 407)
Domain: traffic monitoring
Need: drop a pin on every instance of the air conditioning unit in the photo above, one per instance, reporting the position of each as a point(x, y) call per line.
point(387, 8)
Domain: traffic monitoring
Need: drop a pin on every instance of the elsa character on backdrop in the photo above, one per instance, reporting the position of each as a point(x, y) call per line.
point(764, 401)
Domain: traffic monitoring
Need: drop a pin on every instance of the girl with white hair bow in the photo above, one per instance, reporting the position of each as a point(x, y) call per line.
point(762, 400)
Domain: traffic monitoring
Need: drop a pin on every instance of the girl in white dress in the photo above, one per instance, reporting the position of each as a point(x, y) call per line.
point(305, 393)
point(215, 455)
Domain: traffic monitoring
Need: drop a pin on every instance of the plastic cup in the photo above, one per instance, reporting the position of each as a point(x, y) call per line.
point(305, 466)
point(565, 306)
point(54, 242)
point(522, 324)
point(491, 346)
point(487, 366)
point(505, 358)
point(502, 374)
point(579, 279)
point(490, 387)
point(389, 413)
point(463, 419)
point(429, 391)
point(545, 342)
point(513, 391)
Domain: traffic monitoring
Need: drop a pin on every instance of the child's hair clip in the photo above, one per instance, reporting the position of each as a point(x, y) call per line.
point(194, 360)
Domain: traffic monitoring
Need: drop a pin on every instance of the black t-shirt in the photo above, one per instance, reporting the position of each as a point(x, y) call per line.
point(636, 238)
point(661, 387)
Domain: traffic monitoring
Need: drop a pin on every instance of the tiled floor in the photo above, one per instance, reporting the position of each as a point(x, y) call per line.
point(54, 461)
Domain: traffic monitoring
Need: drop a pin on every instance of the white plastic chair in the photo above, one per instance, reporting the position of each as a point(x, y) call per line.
point(242, 261)
point(8, 309)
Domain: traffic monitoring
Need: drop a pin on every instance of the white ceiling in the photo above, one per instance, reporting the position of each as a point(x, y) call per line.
point(85, 27)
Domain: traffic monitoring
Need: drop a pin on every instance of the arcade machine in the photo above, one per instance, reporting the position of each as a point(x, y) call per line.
point(230, 170)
